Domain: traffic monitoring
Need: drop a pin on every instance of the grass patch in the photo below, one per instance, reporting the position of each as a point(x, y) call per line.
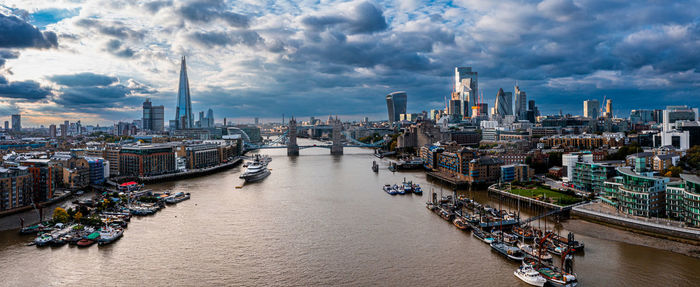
point(547, 195)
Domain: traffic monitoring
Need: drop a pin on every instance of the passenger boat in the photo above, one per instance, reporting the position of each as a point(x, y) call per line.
point(530, 276)
point(109, 234)
point(389, 189)
point(483, 236)
point(553, 275)
point(177, 198)
point(533, 252)
point(459, 222)
point(511, 252)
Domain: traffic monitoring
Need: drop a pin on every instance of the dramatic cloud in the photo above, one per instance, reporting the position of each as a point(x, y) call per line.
point(312, 58)
point(16, 33)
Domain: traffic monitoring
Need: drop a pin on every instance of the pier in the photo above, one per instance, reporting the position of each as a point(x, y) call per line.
point(189, 173)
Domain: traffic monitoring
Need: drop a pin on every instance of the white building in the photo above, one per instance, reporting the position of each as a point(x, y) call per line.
point(569, 160)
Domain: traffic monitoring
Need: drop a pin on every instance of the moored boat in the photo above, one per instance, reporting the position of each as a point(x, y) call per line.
point(417, 189)
point(88, 240)
point(43, 239)
point(109, 234)
point(459, 222)
point(553, 275)
point(177, 198)
point(530, 276)
point(534, 253)
point(510, 252)
point(483, 236)
point(389, 189)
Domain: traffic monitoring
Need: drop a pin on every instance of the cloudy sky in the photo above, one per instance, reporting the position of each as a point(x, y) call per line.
point(98, 60)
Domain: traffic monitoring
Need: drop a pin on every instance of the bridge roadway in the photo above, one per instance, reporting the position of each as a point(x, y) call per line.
point(308, 146)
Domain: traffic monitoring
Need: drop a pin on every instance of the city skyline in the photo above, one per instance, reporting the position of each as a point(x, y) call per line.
point(248, 64)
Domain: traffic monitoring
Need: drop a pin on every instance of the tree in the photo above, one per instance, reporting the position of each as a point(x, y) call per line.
point(60, 215)
point(78, 216)
point(673, 171)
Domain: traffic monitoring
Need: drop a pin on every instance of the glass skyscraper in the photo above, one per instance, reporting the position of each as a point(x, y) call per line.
point(396, 105)
point(183, 112)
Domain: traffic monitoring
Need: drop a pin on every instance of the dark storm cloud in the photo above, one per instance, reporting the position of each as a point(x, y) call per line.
point(83, 79)
point(22, 90)
point(209, 10)
point(365, 18)
point(16, 33)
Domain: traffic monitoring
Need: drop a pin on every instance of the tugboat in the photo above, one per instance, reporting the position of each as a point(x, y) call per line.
point(399, 189)
point(530, 276)
point(256, 171)
point(407, 185)
point(513, 253)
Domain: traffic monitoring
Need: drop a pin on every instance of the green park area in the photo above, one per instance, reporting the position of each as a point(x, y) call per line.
point(546, 194)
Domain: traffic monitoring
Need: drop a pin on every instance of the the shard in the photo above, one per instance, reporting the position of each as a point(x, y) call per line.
point(183, 111)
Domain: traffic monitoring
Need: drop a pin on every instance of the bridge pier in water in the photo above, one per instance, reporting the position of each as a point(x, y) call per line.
point(292, 147)
point(337, 146)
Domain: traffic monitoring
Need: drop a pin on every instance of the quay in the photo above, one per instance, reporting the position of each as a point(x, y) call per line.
point(646, 227)
point(189, 173)
point(448, 179)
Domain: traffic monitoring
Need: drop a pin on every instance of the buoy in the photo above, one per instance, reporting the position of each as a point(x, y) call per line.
point(239, 187)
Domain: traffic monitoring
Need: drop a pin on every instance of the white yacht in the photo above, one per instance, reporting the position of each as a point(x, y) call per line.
point(530, 276)
point(257, 169)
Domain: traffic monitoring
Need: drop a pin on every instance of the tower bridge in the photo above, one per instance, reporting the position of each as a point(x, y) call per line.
point(288, 140)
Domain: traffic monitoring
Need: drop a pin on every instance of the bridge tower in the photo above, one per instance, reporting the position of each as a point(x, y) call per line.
point(337, 146)
point(292, 147)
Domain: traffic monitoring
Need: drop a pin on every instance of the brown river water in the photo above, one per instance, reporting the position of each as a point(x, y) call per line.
point(317, 220)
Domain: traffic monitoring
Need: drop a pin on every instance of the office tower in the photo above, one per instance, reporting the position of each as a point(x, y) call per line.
point(210, 118)
point(591, 108)
point(52, 131)
point(183, 111)
point(504, 103)
point(257, 121)
point(673, 114)
point(455, 107)
point(467, 85)
point(608, 108)
point(641, 116)
point(7, 125)
point(520, 103)
point(396, 105)
point(146, 119)
point(17, 123)
point(78, 128)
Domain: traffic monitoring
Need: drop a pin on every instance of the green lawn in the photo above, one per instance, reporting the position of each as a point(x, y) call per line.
point(542, 193)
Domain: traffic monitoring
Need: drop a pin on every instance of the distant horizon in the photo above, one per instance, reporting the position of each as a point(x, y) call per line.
point(339, 57)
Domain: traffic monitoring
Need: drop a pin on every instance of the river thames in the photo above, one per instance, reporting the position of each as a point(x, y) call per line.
point(318, 220)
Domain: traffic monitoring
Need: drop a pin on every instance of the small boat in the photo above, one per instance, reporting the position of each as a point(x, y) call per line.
point(554, 248)
point(533, 252)
point(399, 189)
point(88, 240)
point(43, 239)
point(576, 246)
point(417, 189)
point(446, 215)
point(530, 276)
point(553, 275)
point(109, 234)
point(507, 238)
point(511, 252)
point(79, 192)
point(483, 236)
point(389, 189)
point(375, 166)
point(523, 233)
point(459, 222)
point(430, 205)
point(177, 198)
point(407, 185)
